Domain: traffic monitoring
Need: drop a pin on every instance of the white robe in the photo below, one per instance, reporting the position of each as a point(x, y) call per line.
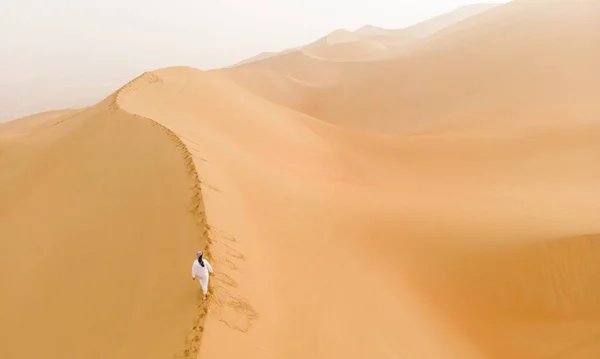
point(200, 273)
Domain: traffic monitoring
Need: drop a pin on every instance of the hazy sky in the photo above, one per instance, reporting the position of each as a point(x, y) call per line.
point(201, 33)
point(60, 41)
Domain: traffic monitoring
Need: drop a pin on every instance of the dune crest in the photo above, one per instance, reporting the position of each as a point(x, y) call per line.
point(245, 307)
point(114, 207)
point(255, 307)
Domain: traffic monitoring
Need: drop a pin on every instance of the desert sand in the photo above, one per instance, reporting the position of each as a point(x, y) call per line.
point(441, 201)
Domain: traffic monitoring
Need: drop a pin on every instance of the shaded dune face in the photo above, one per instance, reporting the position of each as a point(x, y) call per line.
point(95, 236)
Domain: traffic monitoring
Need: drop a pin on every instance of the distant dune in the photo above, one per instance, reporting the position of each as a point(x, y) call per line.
point(309, 63)
point(295, 79)
point(261, 56)
point(431, 26)
point(438, 202)
point(438, 23)
point(513, 66)
point(386, 37)
point(335, 37)
point(349, 51)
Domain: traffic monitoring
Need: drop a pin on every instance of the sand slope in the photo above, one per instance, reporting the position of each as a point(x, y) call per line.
point(279, 87)
point(274, 174)
point(97, 238)
point(326, 247)
point(32, 123)
point(295, 80)
point(261, 56)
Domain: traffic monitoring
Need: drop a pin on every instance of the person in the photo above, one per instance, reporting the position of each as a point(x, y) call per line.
point(200, 272)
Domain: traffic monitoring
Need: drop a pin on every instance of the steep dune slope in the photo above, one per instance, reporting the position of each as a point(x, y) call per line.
point(523, 64)
point(97, 237)
point(329, 242)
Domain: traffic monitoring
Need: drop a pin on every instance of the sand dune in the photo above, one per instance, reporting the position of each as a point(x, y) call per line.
point(266, 73)
point(440, 205)
point(386, 37)
point(438, 23)
point(336, 37)
point(406, 36)
point(295, 80)
point(301, 201)
point(279, 184)
point(524, 64)
point(281, 88)
point(97, 236)
point(261, 56)
point(29, 124)
point(298, 79)
point(335, 46)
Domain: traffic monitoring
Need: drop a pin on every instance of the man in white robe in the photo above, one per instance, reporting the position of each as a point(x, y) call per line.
point(200, 272)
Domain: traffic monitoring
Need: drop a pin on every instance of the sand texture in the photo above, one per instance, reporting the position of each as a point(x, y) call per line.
point(442, 202)
point(96, 218)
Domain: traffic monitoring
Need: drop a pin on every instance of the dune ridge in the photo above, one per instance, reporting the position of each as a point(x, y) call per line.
point(186, 204)
point(230, 308)
point(193, 338)
point(489, 224)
